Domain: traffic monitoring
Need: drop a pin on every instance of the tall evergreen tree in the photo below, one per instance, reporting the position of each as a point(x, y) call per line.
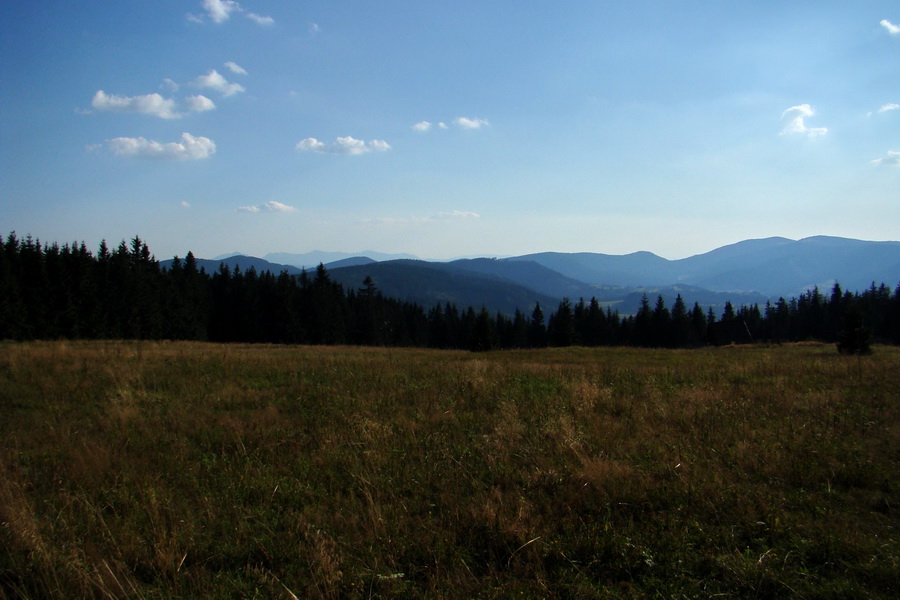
point(537, 331)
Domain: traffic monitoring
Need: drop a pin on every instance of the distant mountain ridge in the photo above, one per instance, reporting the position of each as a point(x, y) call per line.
point(244, 263)
point(747, 272)
point(771, 266)
point(310, 260)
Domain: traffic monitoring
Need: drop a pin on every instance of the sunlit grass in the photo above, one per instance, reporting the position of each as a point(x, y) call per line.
point(163, 470)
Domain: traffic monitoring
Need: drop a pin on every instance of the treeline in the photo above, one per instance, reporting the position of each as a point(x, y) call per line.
point(49, 291)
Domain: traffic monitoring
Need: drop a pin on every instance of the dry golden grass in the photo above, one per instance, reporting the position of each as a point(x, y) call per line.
point(165, 470)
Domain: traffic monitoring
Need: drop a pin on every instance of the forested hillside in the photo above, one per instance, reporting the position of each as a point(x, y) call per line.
point(49, 291)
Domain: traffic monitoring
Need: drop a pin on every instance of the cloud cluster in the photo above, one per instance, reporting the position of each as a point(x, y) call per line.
point(148, 104)
point(219, 11)
point(271, 206)
point(167, 108)
point(462, 122)
point(792, 122)
point(189, 148)
point(342, 145)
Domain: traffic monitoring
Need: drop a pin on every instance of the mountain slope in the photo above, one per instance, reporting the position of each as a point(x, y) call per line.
point(638, 268)
point(529, 274)
point(427, 284)
point(787, 269)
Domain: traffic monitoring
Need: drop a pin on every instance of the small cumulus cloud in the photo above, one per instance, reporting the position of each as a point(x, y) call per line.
point(891, 28)
point(422, 126)
point(342, 145)
point(199, 103)
point(184, 204)
point(148, 104)
point(470, 123)
point(792, 121)
point(888, 107)
point(215, 81)
point(219, 11)
point(260, 19)
point(235, 68)
point(314, 28)
point(189, 148)
point(271, 206)
point(892, 158)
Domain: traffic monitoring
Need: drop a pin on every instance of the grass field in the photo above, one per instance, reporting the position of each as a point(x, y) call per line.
point(183, 470)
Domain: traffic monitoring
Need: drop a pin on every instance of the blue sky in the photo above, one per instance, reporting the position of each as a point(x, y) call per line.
point(447, 129)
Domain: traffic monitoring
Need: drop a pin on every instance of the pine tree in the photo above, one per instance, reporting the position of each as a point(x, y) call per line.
point(537, 332)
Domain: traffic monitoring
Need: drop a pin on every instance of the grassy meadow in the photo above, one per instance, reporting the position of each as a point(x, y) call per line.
point(184, 470)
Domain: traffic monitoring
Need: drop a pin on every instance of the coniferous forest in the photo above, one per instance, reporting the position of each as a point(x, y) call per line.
point(49, 291)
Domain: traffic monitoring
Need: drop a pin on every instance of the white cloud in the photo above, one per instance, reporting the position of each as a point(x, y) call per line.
point(199, 103)
point(278, 207)
point(888, 107)
point(170, 85)
point(458, 214)
point(235, 68)
point(148, 104)
point(468, 123)
point(464, 122)
point(184, 204)
point(892, 158)
point(342, 145)
point(220, 10)
point(792, 121)
point(214, 81)
point(189, 148)
point(260, 20)
point(314, 28)
point(891, 28)
point(271, 206)
point(379, 145)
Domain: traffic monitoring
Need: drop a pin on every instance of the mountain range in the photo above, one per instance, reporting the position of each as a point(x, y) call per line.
point(748, 272)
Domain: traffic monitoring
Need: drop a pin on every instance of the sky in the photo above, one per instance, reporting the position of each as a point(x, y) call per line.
point(447, 129)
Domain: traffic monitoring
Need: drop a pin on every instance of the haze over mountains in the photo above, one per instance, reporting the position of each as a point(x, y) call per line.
point(751, 271)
